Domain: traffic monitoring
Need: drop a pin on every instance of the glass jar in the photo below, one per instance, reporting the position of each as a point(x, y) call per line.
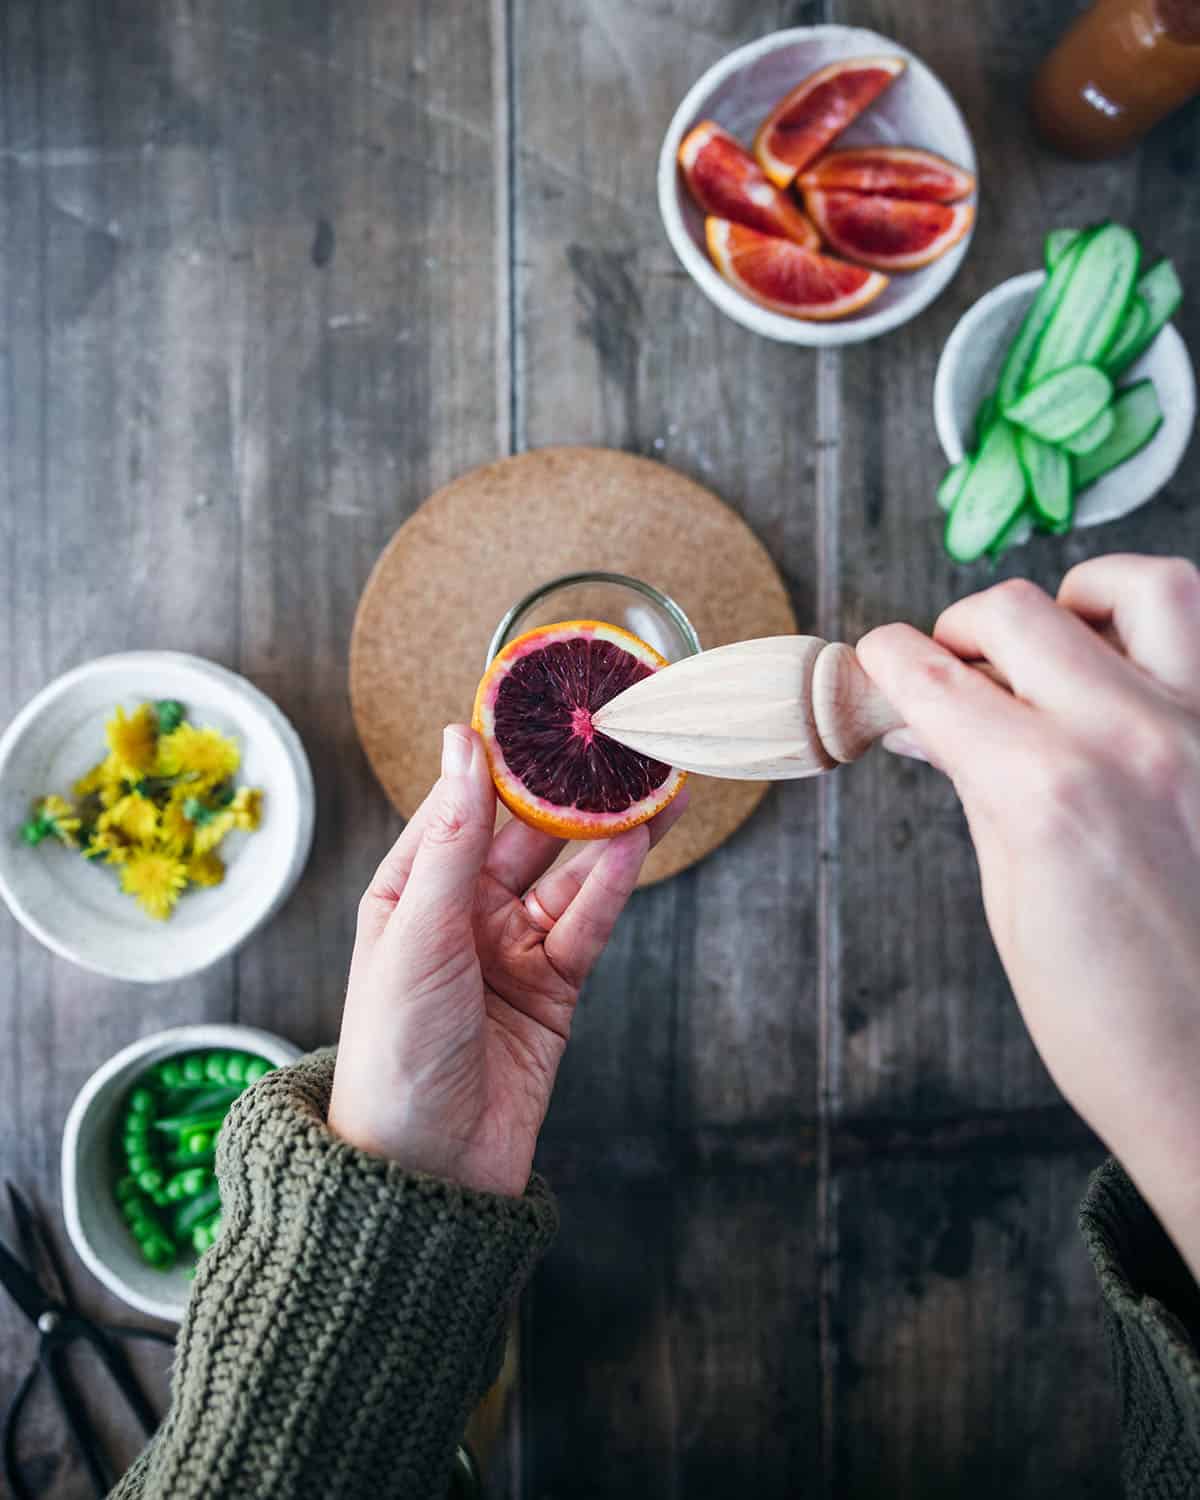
point(616, 599)
point(1117, 71)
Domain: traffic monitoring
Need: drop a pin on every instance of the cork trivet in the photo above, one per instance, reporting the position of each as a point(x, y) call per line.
point(478, 545)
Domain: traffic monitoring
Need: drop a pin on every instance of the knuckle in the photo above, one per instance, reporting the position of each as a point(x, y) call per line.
point(1015, 595)
point(451, 823)
point(938, 674)
point(1179, 582)
point(1160, 761)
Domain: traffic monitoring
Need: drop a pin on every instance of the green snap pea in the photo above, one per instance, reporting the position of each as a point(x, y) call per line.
point(125, 1189)
point(141, 1101)
point(179, 1159)
point(150, 1180)
point(214, 1067)
point(195, 1211)
point(256, 1068)
point(188, 1183)
point(160, 1198)
point(192, 1069)
point(169, 1074)
point(206, 1101)
point(235, 1067)
point(198, 1142)
point(158, 1251)
point(182, 1125)
point(205, 1235)
point(139, 1162)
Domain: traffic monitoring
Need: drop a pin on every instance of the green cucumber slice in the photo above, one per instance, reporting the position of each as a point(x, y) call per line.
point(1051, 488)
point(952, 482)
point(1024, 346)
point(985, 415)
point(1062, 403)
point(1058, 242)
point(1137, 416)
point(1161, 292)
point(1088, 314)
point(1092, 435)
point(992, 494)
point(1015, 534)
point(1129, 335)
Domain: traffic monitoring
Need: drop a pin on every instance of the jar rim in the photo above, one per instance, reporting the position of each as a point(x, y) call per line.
point(673, 611)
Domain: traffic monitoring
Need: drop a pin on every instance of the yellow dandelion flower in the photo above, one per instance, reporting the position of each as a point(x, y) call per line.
point(204, 755)
point(246, 808)
point(209, 834)
point(133, 741)
point(109, 846)
point(155, 878)
point(134, 816)
point(205, 869)
point(105, 780)
point(175, 828)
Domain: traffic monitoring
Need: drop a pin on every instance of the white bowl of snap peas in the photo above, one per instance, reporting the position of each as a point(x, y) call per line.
point(139, 1191)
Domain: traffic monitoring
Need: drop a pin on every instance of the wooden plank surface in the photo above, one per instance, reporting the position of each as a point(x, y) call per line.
point(271, 273)
point(249, 268)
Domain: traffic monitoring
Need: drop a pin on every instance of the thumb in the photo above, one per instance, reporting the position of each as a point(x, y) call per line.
point(458, 832)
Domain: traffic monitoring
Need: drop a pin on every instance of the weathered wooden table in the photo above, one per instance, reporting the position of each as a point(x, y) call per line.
point(271, 271)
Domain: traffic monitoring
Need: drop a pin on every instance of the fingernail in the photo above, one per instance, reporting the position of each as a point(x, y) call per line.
point(456, 752)
point(900, 742)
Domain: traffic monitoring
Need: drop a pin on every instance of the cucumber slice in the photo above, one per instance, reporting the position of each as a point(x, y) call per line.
point(1048, 470)
point(992, 494)
point(984, 417)
point(1129, 335)
point(1015, 534)
point(1137, 416)
point(1024, 346)
point(1162, 293)
point(1088, 314)
point(952, 482)
point(1061, 404)
point(1058, 242)
point(1092, 435)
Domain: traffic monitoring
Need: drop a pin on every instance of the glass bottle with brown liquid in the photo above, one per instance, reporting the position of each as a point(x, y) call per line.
point(1120, 68)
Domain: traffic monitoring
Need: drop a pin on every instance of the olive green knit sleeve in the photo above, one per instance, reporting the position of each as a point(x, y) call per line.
point(346, 1321)
point(1152, 1311)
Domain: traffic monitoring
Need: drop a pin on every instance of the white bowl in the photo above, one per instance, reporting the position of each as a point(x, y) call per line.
point(739, 91)
point(970, 365)
point(90, 1164)
point(77, 909)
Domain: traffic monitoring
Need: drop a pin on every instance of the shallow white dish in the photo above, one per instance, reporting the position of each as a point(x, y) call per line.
point(97, 1231)
point(970, 365)
point(739, 91)
point(77, 909)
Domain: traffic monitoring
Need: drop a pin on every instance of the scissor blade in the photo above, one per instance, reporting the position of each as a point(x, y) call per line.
point(21, 1286)
point(40, 1254)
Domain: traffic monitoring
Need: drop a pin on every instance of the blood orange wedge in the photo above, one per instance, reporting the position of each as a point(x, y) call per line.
point(787, 278)
point(891, 234)
point(894, 171)
point(804, 122)
point(724, 179)
point(551, 766)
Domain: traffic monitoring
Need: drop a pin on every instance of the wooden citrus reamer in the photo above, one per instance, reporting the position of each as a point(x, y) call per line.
point(766, 710)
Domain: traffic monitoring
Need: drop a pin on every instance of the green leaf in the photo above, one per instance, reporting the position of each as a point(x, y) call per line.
point(170, 714)
point(196, 812)
point(37, 829)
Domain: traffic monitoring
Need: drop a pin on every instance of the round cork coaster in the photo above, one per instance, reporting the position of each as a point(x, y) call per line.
point(485, 540)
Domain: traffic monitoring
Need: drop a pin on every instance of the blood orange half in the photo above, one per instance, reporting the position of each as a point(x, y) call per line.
point(804, 121)
point(894, 171)
point(725, 180)
point(552, 768)
point(787, 278)
point(891, 234)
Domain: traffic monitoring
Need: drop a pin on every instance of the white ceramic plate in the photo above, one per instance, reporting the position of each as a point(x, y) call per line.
point(77, 909)
point(739, 91)
point(970, 365)
point(97, 1231)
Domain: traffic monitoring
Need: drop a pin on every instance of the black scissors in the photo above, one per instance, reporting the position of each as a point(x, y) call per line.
point(40, 1290)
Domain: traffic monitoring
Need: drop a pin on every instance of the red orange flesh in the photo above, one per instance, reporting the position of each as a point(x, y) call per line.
point(786, 278)
point(725, 180)
point(552, 768)
point(894, 171)
point(889, 234)
point(817, 110)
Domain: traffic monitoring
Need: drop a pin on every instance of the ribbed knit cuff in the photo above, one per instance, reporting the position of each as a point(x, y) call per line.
point(1152, 1310)
point(341, 1329)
